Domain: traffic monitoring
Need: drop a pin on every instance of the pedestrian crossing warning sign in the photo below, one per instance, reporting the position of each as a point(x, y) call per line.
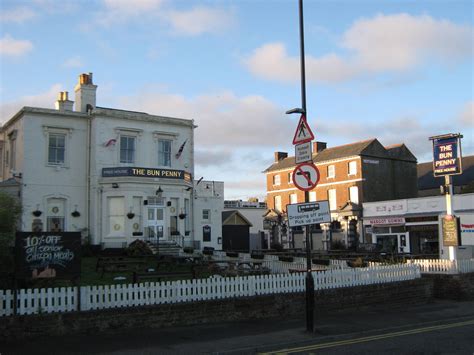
point(303, 133)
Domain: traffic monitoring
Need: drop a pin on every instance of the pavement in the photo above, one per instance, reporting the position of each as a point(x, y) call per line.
point(255, 336)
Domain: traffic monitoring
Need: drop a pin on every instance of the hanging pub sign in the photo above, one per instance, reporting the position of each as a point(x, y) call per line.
point(447, 155)
point(48, 255)
point(450, 229)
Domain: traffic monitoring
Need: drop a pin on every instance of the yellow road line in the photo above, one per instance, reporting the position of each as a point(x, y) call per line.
point(372, 338)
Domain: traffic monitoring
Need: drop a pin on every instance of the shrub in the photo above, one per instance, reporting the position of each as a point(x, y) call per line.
point(138, 248)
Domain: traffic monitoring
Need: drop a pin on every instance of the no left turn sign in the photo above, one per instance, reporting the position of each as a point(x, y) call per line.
point(306, 176)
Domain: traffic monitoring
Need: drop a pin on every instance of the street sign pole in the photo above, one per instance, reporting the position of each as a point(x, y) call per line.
point(309, 276)
point(452, 251)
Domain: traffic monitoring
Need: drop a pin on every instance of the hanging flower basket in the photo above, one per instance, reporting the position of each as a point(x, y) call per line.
point(182, 215)
point(130, 215)
point(75, 214)
point(37, 213)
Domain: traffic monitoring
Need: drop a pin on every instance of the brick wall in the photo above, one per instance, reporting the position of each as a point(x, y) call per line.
point(270, 306)
point(453, 287)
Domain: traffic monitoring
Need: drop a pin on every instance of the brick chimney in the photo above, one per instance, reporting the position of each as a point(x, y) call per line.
point(85, 93)
point(63, 103)
point(319, 147)
point(280, 156)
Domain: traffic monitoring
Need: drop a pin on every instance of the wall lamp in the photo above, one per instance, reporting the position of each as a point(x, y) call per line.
point(159, 192)
point(115, 185)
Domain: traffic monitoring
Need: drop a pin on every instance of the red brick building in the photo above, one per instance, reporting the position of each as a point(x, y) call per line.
point(349, 175)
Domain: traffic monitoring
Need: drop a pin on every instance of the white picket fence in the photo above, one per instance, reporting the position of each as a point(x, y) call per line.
point(435, 266)
point(154, 293)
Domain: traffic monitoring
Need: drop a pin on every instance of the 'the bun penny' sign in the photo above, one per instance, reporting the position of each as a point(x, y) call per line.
point(306, 176)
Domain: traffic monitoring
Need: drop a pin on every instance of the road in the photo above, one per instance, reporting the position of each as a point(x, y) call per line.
point(442, 327)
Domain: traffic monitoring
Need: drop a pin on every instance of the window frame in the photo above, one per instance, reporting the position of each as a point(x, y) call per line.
point(290, 178)
point(352, 188)
point(331, 207)
point(276, 180)
point(208, 212)
point(352, 163)
point(295, 197)
point(134, 151)
point(331, 171)
point(162, 153)
point(56, 148)
point(55, 130)
point(275, 203)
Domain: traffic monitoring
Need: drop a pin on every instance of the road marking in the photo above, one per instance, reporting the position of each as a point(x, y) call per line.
point(372, 338)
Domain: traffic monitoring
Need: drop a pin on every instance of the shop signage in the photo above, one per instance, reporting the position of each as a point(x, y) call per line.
point(446, 155)
point(48, 254)
point(304, 214)
point(450, 231)
point(147, 173)
point(385, 221)
point(467, 228)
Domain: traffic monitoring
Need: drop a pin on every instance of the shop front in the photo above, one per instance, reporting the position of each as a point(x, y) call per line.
point(148, 204)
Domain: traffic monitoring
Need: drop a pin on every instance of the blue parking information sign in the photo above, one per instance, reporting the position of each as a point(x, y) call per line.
point(446, 155)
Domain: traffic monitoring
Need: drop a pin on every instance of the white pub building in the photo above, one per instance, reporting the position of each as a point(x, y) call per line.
point(113, 175)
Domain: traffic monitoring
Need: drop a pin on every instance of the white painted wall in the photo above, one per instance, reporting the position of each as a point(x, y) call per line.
point(209, 195)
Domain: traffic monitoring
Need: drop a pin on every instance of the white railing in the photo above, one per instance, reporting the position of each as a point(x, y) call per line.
point(435, 266)
point(153, 293)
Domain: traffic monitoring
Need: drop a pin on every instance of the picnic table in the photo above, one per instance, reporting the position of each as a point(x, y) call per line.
point(113, 264)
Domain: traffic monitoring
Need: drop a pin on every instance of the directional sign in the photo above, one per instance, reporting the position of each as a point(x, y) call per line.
point(303, 153)
point(306, 176)
point(303, 133)
point(303, 214)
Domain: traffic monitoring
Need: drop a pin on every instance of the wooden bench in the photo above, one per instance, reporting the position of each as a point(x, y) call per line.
point(160, 275)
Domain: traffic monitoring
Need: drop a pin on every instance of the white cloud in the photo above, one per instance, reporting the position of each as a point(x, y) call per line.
point(466, 117)
point(120, 11)
point(17, 15)
point(392, 43)
point(14, 47)
point(399, 42)
point(193, 22)
point(73, 62)
point(200, 20)
point(45, 99)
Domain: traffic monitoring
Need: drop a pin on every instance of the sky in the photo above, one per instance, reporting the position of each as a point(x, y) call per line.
point(399, 71)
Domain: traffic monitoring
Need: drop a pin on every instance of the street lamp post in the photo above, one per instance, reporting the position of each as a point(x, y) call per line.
point(303, 111)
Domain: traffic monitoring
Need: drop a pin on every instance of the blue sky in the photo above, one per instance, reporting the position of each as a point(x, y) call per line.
point(399, 71)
